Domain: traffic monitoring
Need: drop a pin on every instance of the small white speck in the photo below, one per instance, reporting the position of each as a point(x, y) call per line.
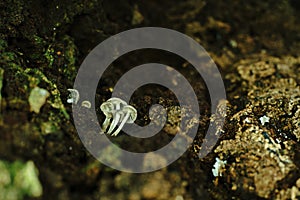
point(233, 43)
point(264, 119)
point(277, 140)
point(247, 120)
point(219, 164)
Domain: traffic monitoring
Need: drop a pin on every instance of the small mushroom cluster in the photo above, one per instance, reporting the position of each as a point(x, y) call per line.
point(74, 97)
point(117, 112)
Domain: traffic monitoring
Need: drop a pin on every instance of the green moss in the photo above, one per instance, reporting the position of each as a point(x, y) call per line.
point(38, 40)
point(23, 80)
point(70, 54)
point(3, 45)
point(18, 180)
point(35, 77)
point(49, 55)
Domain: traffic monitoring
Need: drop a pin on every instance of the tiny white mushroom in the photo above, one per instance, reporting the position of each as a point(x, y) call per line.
point(116, 119)
point(117, 102)
point(130, 117)
point(118, 111)
point(107, 108)
point(86, 104)
point(73, 96)
point(117, 116)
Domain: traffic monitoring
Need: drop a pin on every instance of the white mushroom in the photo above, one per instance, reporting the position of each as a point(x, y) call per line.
point(108, 109)
point(116, 119)
point(117, 102)
point(117, 110)
point(129, 117)
point(73, 96)
point(86, 104)
point(117, 116)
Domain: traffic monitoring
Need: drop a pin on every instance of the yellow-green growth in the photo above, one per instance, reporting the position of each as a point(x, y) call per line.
point(19, 180)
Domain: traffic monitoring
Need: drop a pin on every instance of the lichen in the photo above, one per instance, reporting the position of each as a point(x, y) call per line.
point(37, 98)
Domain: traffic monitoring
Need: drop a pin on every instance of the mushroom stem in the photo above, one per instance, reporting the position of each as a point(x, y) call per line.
point(114, 123)
point(122, 124)
point(106, 123)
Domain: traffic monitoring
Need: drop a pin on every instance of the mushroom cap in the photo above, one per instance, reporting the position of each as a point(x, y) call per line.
point(107, 108)
point(86, 104)
point(73, 96)
point(132, 111)
point(115, 101)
